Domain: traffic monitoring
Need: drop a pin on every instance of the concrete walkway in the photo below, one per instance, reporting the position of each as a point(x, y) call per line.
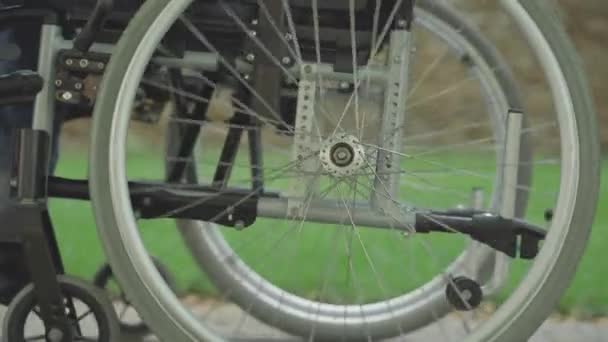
point(229, 319)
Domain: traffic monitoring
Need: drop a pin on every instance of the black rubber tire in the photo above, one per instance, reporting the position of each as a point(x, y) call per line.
point(96, 300)
point(457, 287)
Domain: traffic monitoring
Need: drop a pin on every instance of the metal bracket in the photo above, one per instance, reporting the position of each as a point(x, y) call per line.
point(304, 146)
point(267, 77)
point(388, 162)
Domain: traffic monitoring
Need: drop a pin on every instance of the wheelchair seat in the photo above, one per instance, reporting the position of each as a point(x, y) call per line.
point(125, 9)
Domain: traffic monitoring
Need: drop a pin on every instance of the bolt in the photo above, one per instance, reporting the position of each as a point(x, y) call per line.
point(250, 57)
point(247, 77)
point(55, 335)
point(344, 85)
point(286, 60)
point(69, 61)
point(147, 201)
point(67, 96)
point(84, 63)
point(58, 83)
point(253, 33)
point(78, 86)
point(402, 23)
point(254, 22)
point(101, 65)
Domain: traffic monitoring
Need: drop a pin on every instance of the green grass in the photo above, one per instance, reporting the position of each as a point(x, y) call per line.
point(299, 262)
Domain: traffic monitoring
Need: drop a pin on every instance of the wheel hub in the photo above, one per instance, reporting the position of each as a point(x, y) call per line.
point(342, 155)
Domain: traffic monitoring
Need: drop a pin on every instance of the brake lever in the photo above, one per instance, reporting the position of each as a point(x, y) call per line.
point(94, 25)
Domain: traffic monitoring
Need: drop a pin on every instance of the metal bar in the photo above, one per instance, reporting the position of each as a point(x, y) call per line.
point(256, 157)
point(388, 164)
point(511, 164)
point(229, 152)
point(304, 143)
point(334, 212)
point(187, 133)
point(44, 106)
point(510, 173)
point(32, 157)
point(209, 62)
point(268, 206)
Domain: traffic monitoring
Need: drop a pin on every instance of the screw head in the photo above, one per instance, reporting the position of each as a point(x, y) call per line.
point(254, 22)
point(344, 85)
point(286, 60)
point(402, 23)
point(84, 63)
point(247, 77)
point(253, 33)
point(250, 57)
point(69, 61)
point(67, 96)
point(78, 86)
point(101, 65)
point(58, 83)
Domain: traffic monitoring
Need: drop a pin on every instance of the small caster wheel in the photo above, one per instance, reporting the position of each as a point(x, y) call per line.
point(94, 319)
point(464, 294)
point(128, 318)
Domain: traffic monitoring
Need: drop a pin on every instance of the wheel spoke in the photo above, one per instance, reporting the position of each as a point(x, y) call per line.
point(371, 264)
point(375, 50)
point(201, 37)
point(462, 171)
point(84, 315)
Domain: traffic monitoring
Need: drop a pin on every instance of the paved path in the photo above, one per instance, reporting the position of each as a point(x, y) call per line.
point(552, 331)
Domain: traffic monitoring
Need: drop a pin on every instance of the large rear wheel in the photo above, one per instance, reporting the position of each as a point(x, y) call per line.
point(315, 264)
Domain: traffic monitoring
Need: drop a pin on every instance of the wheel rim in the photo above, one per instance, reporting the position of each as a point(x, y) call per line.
point(209, 246)
point(565, 206)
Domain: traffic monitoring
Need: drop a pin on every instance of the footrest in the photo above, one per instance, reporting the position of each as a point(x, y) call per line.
point(19, 87)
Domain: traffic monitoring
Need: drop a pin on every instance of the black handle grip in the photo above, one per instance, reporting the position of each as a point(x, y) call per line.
point(19, 87)
point(94, 25)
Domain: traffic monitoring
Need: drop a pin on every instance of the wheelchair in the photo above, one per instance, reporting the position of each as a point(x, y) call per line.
point(307, 152)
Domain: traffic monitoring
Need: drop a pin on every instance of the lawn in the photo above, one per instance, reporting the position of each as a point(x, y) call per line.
point(307, 252)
